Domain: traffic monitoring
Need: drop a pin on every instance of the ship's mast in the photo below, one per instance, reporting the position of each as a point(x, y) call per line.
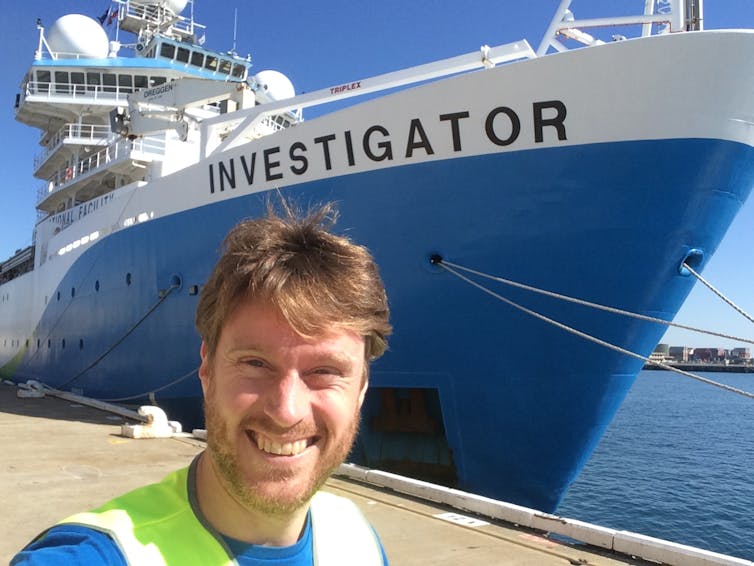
point(694, 15)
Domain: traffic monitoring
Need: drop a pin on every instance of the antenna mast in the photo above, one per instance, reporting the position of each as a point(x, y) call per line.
point(235, 27)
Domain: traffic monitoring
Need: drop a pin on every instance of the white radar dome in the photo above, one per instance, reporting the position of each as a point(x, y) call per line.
point(175, 6)
point(76, 35)
point(275, 84)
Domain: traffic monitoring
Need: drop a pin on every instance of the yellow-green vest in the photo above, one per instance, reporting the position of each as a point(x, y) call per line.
point(156, 526)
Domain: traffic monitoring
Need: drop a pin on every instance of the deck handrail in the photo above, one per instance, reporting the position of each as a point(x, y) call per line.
point(93, 133)
point(120, 149)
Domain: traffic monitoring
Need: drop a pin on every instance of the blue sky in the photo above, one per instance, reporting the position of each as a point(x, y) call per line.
point(319, 44)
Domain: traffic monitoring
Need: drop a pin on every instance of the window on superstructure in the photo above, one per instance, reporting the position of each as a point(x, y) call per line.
point(77, 80)
point(183, 55)
point(197, 59)
point(125, 83)
point(43, 81)
point(167, 50)
point(224, 66)
point(210, 63)
point(92, 81)
point(238, 71)
point(154, 81)
point(109, 83)
point(62, 83)
point(140, 81)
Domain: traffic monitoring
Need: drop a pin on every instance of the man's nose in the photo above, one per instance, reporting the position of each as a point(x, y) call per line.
point(287, 402)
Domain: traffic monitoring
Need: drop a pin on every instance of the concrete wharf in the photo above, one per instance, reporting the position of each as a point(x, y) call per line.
point(60, 457)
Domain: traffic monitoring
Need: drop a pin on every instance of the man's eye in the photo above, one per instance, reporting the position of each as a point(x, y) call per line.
point(326, 371)
point(254, 363)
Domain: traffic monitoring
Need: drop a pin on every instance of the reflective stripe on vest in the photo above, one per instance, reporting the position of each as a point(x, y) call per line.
point(341, 534)
point(156, 526)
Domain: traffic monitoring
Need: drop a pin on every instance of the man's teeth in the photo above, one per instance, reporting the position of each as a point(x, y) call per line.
point(285, 449)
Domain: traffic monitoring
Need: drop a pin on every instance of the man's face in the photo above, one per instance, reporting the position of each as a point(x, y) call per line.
point(282, 411)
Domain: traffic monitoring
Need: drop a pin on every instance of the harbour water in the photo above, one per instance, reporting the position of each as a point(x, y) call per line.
point(676, 463)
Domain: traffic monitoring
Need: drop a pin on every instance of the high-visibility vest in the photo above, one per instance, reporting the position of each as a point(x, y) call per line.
point(156, 526)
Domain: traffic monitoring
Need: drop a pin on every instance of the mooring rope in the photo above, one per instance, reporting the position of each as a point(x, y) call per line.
point(163, 295)
point(151, 392)
point(597, 306)
point(453, 269)
point(709, 286)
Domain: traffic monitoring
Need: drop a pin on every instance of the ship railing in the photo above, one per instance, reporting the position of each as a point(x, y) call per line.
point(82, 133)
point(149, 147)
point(154, 18)
point(55, 91)
point(275, 123)
point(667, 15)
point(67, 55)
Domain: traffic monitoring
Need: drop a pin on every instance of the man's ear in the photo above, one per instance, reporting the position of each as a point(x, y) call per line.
point(204, 370)
point(364, 385)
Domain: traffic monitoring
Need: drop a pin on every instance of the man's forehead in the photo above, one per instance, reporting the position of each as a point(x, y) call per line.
point(263, 322)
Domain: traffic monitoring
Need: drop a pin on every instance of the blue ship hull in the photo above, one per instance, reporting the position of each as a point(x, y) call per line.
point(472, 392)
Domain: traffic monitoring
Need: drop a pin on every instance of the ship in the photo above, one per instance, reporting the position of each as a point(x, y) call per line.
point(509, 163)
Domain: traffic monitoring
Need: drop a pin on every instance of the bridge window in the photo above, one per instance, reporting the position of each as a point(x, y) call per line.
point(183, 55)
point(167, 50)
point(43, 81)
point(62, 84)
point(197, 59)
point(210, 63)
point(154, 81)
point(108, 83)
point(77, 80)
point(140, 81)
point(238, 71)
point(92, 80)
point(225, 66)
point(126, 83)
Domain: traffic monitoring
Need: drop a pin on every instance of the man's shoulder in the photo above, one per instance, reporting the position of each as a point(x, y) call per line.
point(340, 529)
point(70, 545)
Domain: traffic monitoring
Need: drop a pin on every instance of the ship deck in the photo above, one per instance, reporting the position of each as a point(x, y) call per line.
point(60, 457)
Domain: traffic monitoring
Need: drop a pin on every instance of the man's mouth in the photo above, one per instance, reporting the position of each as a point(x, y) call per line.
point(266, 444)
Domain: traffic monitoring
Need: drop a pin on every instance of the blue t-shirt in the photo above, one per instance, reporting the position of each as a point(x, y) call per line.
point(71, 545)
point(74, 545)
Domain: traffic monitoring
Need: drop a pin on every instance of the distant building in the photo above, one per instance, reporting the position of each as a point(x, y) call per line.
point(680, 353)
point(740, 353)
point(708, 354)
point(663, 349)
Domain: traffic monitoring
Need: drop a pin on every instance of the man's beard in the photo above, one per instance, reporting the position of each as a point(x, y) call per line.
point(221, 448)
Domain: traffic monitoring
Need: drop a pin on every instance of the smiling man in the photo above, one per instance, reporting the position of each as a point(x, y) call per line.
point(290, 319)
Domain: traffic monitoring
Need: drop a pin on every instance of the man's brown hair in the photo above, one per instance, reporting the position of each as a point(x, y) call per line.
point(318, 280)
